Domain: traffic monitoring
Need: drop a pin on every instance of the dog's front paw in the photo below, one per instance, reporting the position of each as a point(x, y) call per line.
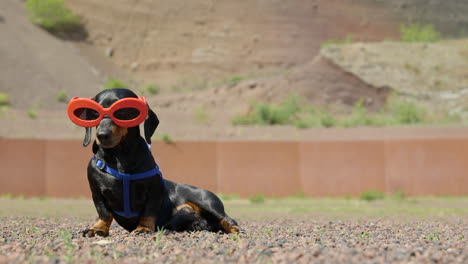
point(93, 232)
point(142, 230)
point(237, 230)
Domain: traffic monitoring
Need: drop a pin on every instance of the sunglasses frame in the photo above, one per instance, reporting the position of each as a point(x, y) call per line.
point(136, 103)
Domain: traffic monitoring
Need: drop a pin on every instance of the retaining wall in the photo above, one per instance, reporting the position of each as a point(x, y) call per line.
point(339, 167)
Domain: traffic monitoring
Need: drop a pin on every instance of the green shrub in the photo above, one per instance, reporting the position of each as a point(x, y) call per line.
point(151, 89)
point(300, 195)
point(292, 111)
point(52, 15)
point(32, 111)
point(408, 113)
point(399, 195)
point(308, 121)
point(271, 114)
point(228, 197)
point(316, 119)
point(167, 138)
point(4, 99)
point(259, 198)
point(359, 116)
point(327, 120)
point(7, 196)
point(235, 80)
point(348, 39)
point(419, 33)
point(62, 96)
point(371, 195)
point(114, 83)
point(201, 115)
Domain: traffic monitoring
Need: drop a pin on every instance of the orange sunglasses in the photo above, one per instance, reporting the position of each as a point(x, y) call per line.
point(126, 112)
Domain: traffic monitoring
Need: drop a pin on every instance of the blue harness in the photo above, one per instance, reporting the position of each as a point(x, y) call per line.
point(126, 178)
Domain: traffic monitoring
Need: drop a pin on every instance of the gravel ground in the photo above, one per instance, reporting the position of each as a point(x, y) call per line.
point(282, 240)
point(413, 230)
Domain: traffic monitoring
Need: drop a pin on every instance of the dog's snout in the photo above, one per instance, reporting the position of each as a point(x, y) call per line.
point(104, 131)
point(108, 134)
point(104, 134)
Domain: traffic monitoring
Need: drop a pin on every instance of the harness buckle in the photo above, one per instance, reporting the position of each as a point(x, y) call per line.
point(100, 164)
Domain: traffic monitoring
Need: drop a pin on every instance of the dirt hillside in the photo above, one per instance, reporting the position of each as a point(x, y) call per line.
point(210, 58)
point(192, 45)
point(35, 66)
point(434, 74)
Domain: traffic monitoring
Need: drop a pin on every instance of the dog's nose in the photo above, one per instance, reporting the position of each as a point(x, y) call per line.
point(104, 134)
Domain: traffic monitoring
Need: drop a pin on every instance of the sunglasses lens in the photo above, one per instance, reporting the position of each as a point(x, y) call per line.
point(86, 114)
point(126, 113)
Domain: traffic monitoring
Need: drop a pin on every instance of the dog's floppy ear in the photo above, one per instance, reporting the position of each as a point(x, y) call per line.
point(87, 137)
point(151, 123)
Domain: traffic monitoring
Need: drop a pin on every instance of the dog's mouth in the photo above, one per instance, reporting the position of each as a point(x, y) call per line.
point(107, 143)
point(110, 138)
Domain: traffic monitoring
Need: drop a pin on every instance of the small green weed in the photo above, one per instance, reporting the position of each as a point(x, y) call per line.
point(151, 89)
point(236, 237)
point(62, 96)
point(200, 115)
point(159, 236)
point(433, 237)
point(300, 195)
point(267, 231)
point(167, 138)
point(256, 199)
point(399, 195)
point(52, 15)
point(419, 33)
point(114, 83)
point(347, 40)
point(364, 235)
point(33, 111)
point(7, 196)
point(316, 118)
point(359, 116)
point(4, 99)
point(271, 114)
point(372, 195)
point(66, 236)
point(461, 237)
point(405, 112)
point(235, 80)
point(228, 197)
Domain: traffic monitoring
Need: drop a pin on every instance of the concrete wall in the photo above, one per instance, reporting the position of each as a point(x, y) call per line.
point(421, 166)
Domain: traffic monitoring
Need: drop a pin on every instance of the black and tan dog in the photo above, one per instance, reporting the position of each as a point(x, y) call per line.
point(127, 186)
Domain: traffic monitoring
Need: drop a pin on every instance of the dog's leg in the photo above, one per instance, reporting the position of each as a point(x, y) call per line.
point(146, 224)
point(214, 207)
point(230, 225)
point(149, 215)
point(187, 217)
point(101, 228)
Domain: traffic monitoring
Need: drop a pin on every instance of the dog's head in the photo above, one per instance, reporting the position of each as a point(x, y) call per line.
point(108, 133)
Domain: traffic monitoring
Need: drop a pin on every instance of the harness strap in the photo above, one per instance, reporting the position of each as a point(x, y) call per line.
point(126, 178)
